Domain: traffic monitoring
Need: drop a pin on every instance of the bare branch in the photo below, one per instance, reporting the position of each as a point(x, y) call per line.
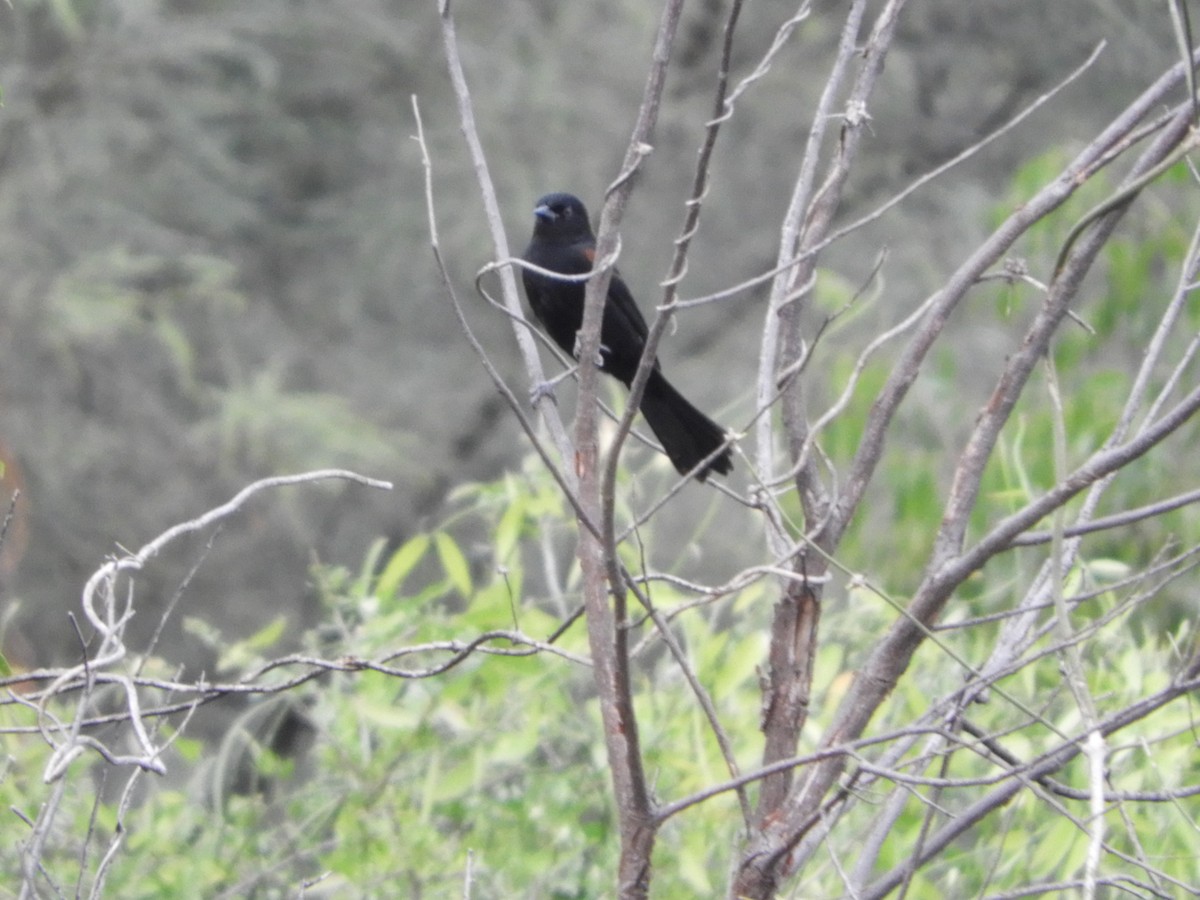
point(1046, 764)
point(904, 373)
point(607, 633)
point(566, 479)
point(491, 205)
point(787, 689)
point(1107, 523)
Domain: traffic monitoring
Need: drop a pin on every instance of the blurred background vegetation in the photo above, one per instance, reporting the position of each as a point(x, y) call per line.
point(215, 254)
point(493, 774)
point(215, 267)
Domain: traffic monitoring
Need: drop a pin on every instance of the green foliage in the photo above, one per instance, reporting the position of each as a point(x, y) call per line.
point(267, 425)
point(118, 299)
point(1095, 362)
point(501, 757)
point(1028, 840)
point(425, 770)
point(497, 756)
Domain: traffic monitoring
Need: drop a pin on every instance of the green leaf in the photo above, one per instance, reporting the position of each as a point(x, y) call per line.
point(454, 563)
point(403, 561)
point(510, 528)
point(267, 637)
point(739, 664)
point(247, 651)
point(189, 748)
point(362, 584)
point(694, 860)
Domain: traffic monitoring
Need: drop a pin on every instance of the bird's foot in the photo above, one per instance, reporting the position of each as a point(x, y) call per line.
point(544, 389)
point(599, 353)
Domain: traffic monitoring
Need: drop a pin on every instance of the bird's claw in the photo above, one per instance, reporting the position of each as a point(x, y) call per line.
point(544, 389)
point(599, 360)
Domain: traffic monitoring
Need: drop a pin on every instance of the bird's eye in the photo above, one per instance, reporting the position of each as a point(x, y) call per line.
point(565, 211)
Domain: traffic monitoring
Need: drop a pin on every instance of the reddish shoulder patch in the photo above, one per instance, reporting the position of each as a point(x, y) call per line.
point(590, 253)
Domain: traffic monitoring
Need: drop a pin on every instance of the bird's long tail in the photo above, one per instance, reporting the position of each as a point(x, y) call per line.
point(687, 435)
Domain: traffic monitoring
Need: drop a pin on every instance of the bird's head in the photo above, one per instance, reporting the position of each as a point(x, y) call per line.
point(561, 217)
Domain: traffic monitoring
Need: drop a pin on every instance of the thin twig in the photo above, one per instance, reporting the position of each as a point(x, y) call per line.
point(491, 205)
point(565, 479)
point(607, 633)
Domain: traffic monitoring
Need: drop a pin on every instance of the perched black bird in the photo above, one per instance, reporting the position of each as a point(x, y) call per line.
point(563, 242)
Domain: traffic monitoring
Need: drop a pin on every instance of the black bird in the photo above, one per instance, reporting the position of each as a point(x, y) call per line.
point(563, 242)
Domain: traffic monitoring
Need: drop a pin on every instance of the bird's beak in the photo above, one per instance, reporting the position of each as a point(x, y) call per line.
point(545, 213)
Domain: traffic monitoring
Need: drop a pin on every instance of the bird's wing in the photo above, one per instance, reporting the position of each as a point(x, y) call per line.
point(622, 306)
